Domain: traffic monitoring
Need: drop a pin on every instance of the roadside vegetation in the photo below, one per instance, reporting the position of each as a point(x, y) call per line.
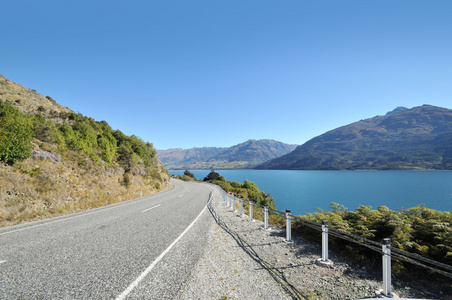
point(418, 230)
point(247, 190)
point(188, 176)
point(55, 162)
point(421, 230)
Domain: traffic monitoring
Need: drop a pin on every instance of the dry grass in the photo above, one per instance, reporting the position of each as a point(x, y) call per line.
point(36, 189)
point(27, 100)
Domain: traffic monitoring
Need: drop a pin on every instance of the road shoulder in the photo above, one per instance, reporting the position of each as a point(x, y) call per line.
point(225, 271)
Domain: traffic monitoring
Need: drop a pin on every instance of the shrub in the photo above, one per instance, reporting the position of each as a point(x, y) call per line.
point(68, 134)
point(15, 134)
point(125, 156)
point(248, 190)
point(212, 176)
point(107, 144)
point(126, 180)
point(46, 130)
point(420, 230)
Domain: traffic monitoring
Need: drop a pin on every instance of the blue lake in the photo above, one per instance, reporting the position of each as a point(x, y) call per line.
point(304, 191)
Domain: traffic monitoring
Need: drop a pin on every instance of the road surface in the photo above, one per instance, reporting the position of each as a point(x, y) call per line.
point(140, 249)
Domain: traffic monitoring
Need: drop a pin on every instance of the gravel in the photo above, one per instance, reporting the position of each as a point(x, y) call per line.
point(242, 260)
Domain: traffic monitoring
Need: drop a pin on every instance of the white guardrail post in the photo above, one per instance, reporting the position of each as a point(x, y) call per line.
point(386, 266)
point(288, 226)
point(233, 208)
point(324, 240)
point(266, 216)
point(251, 209)
point(241, 207)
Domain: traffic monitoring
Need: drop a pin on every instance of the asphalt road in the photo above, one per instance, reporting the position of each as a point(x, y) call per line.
point(140, 249)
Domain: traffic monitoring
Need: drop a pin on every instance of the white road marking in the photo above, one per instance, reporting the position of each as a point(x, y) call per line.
point(2, 261)
point(181, 195)
point(154, 263)
point(150, 208)
point(100, 209)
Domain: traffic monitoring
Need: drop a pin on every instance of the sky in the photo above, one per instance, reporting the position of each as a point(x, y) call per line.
point(183, 74)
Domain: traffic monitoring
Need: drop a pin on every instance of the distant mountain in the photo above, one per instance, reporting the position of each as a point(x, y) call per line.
point(417, 138)
point(242, 156)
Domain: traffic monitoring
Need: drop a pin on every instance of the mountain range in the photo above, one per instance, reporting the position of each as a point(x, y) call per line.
point(417, 138)
point(242, 156)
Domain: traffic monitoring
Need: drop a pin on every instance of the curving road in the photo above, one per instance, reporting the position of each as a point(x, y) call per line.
point(140, 249)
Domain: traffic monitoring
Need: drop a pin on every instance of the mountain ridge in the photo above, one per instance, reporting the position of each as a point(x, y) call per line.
point(245, 155)
point(416, 138)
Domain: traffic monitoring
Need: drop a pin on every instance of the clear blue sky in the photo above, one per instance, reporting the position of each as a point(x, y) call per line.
point(216, 73)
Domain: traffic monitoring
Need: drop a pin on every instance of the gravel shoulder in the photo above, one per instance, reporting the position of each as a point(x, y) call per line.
point(242, 260)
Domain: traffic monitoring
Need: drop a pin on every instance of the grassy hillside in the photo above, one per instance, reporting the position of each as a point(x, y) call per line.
point(54, 161)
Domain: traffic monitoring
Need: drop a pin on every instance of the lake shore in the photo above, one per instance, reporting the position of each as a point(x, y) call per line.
point(305, 191)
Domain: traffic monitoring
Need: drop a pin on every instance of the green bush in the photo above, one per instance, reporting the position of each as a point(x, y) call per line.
point(16, 134)
point(131, 146)
point(82, 134)
point(248, 190)
point(125, 158)
point(107, 143)
point(46, 130)
point(420, 230)
point(86, 136)
point(212, 176)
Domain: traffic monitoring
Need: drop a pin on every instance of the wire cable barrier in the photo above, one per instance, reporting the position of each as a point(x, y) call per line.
point(277, 275)
point(395, 253)
point(420, 261)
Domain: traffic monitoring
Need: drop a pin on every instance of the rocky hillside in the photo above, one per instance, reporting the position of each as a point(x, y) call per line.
point(245, 155)
point(54, 161)
point(417, 138)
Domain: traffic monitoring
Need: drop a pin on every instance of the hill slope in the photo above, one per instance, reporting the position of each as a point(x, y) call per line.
point(241, 156)
point(54, 161)
point(417, 138)
point(28, 100)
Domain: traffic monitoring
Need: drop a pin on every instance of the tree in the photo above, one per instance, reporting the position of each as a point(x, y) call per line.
point(212, 176)
point(189, 174)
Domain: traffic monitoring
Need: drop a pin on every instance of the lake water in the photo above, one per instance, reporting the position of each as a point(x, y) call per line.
point(304, 191)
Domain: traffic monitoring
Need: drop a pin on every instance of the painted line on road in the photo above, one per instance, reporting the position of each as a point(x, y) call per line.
point(82, 214)
point(181, 195)
point(2, 261)
point(154, 263)
point(150, 208)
